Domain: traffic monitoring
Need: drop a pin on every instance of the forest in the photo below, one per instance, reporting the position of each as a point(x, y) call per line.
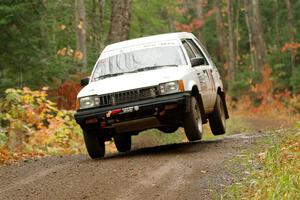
point(47, 46)
point(48, 43)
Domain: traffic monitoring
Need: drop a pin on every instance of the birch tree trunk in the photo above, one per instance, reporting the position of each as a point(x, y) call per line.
point(257, 43)
point(222, 40)
point(81, 24)
point(199, 15)
point(120, 20)
point(221, 34)
point(101, 15)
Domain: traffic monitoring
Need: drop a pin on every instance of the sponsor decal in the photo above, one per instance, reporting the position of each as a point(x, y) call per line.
point(122, 110)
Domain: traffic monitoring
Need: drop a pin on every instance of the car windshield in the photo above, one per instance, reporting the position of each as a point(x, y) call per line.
point(138, 60)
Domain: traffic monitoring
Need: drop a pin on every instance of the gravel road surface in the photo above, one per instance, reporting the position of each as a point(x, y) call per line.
point(196, 170)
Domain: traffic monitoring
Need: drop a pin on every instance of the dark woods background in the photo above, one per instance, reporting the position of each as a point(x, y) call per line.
point(55, 42)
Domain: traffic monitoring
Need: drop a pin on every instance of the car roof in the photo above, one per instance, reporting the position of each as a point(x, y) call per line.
point(149, 39)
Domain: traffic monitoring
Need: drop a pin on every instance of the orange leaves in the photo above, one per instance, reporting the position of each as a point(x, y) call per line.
point(264, 90)
point(196, 23)
point(184, 27)
point(7, 157)
point(78, 55)
point(290, 46)
point(264, 102)
point(66, 93)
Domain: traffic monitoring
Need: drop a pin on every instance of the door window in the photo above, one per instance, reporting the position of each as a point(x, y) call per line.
point(196, 49)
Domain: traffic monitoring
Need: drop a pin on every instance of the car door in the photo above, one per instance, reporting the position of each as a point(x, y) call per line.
point(207, 69)
point(202, 75)
point(215, 73)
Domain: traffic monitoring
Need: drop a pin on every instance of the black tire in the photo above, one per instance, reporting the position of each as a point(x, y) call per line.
point(94, 144)
point(217, 118)
point(168, 129)
point(192, 122)
point(123, 142)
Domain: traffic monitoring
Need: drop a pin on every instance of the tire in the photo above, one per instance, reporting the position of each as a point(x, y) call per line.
point(94, 144)
point(192, 122)
point(168, 129)
point(123, 142)
point(217, 118)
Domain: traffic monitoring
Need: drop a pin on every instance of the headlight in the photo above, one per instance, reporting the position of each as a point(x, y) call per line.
point(171, 87)
point(89, 102)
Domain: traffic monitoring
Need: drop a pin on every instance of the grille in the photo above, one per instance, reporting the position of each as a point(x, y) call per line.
point(128, 96)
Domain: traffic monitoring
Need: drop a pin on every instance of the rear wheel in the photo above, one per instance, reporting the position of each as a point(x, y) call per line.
point(217, 118)
point(193, 121)
point(94, 144)
point(123, 142)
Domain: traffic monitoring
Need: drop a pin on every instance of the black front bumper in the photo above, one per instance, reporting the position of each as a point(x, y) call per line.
point(146, 108)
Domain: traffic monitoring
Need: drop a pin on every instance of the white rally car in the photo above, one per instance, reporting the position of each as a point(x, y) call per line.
point(163, 81)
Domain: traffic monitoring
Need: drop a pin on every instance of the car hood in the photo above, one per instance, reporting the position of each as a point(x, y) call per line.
point(133, 80)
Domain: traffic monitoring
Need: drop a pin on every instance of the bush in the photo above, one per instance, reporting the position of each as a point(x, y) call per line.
point(31, 122)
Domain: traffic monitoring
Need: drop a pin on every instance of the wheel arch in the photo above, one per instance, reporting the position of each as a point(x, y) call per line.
point(223, 98)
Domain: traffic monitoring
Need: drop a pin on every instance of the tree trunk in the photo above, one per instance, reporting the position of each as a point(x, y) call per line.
point(199, 16)
point(120, 20)
point(292, 36)
point(231, 42)
point(80, 33)
point(221, 34)
point(237, 35)
point(101, 15)
point(257, 43)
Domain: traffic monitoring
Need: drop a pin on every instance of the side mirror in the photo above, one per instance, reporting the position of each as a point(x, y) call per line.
point(85, 81)
point(197, 61)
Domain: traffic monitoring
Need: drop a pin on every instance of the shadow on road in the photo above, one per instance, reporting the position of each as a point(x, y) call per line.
point(162, 150)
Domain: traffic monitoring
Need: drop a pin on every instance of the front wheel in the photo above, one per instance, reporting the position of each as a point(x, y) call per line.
point(217, 118)
point(123, 142)
point(193, 122)
point(94, 144)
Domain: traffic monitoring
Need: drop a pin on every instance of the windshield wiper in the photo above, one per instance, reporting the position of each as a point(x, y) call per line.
point(108, 75)
point(151, 68)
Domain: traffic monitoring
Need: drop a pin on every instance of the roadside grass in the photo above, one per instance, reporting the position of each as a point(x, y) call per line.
point(159, 137)
point(272, 169)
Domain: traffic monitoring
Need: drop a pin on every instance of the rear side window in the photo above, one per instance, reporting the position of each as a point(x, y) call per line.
point(195, 49)
point(188, 49)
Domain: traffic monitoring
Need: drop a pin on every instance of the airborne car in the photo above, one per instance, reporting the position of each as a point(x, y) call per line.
point(162, 81)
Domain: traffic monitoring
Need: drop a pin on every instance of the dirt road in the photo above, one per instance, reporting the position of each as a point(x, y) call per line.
point(179, 171)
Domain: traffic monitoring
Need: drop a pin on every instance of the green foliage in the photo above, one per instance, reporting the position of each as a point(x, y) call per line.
point(152, 17)
point(38, 38)
point(295, 81)
point(20, 39)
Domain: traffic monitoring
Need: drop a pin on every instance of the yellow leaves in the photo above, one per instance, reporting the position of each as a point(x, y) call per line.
point(62, 52)
point(80, 25)
point(78, 55)
point(43, 127)
point(62, 27)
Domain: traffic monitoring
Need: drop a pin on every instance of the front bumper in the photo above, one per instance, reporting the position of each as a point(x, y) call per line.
point(164, 108)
